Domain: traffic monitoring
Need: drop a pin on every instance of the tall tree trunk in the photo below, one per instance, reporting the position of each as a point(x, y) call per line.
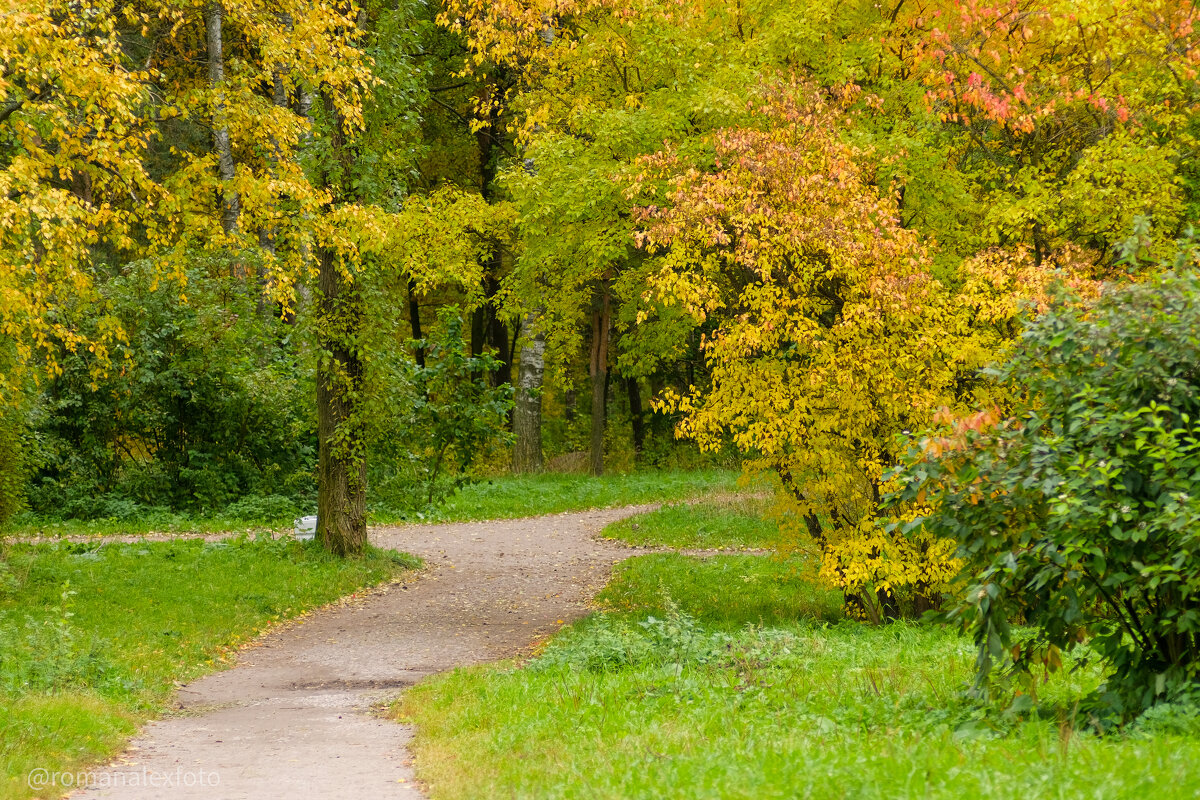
point(414, 319)
point(230, 203)
point(488, 330)
point(486, 325)
point(601, 321)
point(342, 479)
point(636, 415)
point(498, 336)
point(527, 410)
point(569, 403)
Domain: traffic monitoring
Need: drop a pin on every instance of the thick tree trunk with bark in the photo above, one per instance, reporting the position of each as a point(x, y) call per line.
point(342, 479)
point(527, 410)
point(601, 322)
point(230, 203)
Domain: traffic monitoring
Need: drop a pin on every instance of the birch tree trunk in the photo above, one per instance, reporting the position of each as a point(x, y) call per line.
point(231, 206)
point(527, 410)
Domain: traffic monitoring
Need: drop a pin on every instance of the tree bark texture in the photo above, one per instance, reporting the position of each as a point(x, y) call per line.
point(527, 410)
point(231, 207)
point(342, 479)
point(601, 322)
point(637, 417)
point(414, 319)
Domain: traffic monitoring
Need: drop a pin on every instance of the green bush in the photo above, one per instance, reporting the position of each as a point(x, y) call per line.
point(1081, 516)
point(12, 464)
point(205, 402)
point(259, 508)
point(428, 423)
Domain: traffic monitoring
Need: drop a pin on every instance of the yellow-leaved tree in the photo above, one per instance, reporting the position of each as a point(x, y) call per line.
point(831, 336)
point(73, 135)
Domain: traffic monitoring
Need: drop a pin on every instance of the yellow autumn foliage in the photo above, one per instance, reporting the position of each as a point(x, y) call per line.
point(831, 339)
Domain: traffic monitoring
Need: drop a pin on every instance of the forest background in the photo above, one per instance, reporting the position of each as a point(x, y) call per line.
point(263, 258)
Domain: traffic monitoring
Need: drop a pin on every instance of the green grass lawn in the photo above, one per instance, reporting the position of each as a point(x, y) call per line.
point(735, 677)
point(510, 497)
point(502, 497)
point(27, 526)
point(727, 590)
point(93, 637)
point(737, 522)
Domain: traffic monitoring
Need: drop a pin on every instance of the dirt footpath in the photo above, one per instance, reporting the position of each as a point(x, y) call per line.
point(294, 718)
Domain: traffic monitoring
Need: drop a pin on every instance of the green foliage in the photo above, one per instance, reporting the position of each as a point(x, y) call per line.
point(263, 508)
point(432, 421)
point(1081, 516)
point(206, 401)
point(12, 464)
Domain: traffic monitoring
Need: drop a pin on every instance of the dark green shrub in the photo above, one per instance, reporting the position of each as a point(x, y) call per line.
point(428, 424)
point(12, 463)
point(1081, 516)
point(205, 402)
point(260, 508)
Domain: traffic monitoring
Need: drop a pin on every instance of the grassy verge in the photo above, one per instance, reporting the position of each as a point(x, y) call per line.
point(27, 526)
point(93, 637)
point(510, 497)
point(731, 677)
point(736, 522)
point(724, 591)
point(504, 497)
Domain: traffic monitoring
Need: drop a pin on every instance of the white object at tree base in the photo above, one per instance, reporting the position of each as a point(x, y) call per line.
point(306, 528)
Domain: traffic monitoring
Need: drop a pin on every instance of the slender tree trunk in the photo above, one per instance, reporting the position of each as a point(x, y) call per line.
point(226, 171)
point(478, 330)
point(414, 319)
point(601, 321)
point(342, 479)
point(636, 415)
point(527, 411)
point(569, 403)
point(498, 334)
point(268, 232)
point(486, 325)
point(487, 329)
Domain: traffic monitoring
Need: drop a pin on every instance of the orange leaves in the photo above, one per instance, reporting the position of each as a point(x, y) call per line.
point(1019, 65)
point(960, 428)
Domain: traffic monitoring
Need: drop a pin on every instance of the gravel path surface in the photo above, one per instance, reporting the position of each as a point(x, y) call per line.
point(294, 718)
